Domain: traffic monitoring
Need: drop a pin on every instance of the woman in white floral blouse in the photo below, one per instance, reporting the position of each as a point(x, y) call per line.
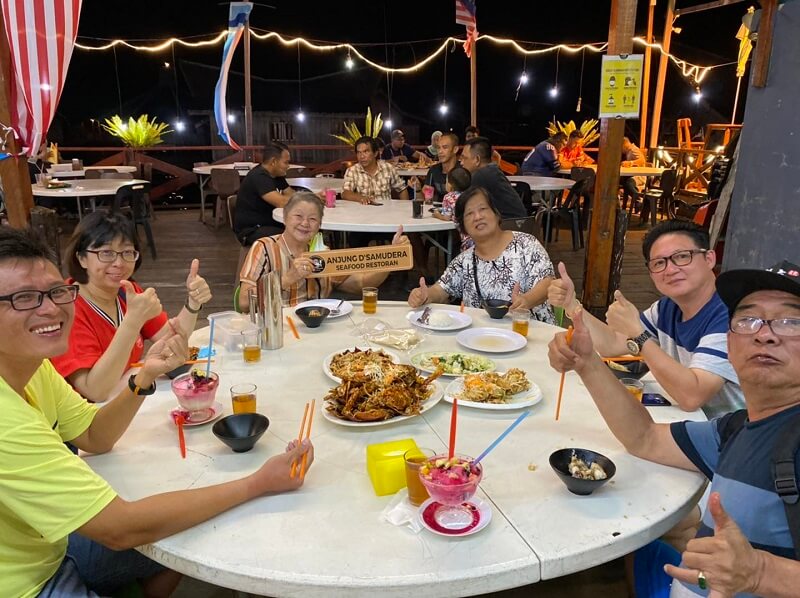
point(502, 265)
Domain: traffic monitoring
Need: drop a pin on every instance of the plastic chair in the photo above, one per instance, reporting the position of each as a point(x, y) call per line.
point(571, 205)
point(134, 198)
point(224, 182)
point(231, 205)
point(524, 225)
point(526, 195)
point(97, 173)
point(661, 196)
point(117, 175)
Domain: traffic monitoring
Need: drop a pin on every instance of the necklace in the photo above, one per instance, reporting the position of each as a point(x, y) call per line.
point(291, 255)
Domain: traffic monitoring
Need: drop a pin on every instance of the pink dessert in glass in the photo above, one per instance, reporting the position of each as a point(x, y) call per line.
point(451, 482)
point(195, 391)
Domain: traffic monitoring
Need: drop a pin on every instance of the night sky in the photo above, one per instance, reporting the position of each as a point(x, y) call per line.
point(147, 86)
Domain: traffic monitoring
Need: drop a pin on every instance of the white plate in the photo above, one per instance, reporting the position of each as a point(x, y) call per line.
point(484, 512)
point(519, 400)
point(458, 322)
point(428, 404)
point(199, 418)
point(416, 361)
point(491, 340)
point(345, 309)
point(326, 363)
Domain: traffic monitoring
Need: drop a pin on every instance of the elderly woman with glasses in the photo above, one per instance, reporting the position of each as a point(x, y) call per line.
point(302, 217)
point(113, 314)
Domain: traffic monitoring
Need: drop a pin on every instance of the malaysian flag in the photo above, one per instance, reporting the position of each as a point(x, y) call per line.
point(239, 13)
point(41, 35)
point(465, 15)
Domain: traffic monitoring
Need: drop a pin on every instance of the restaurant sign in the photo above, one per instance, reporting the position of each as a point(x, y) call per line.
point(380, 258)
point(620, 86)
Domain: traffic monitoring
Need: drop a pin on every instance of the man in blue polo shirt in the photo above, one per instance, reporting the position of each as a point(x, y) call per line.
point(543, 160)
point(682, 336)
point(745, 546)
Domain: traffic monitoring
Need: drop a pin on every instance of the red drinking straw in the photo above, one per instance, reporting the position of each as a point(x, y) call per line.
point(453, 418)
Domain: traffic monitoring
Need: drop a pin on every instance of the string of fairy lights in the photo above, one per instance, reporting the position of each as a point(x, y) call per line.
point(693, 73)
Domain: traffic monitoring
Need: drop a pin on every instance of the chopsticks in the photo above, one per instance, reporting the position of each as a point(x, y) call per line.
point(138, 364)
point(561, 384)
point(292, 326)
point(308, 414)
point(461, 308)
point(621, 358)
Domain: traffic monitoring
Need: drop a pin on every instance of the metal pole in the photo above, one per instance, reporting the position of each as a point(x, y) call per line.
point(248, 100)
point(473, 85)
point(736, 99)
point(648, 51)
point(662, 73)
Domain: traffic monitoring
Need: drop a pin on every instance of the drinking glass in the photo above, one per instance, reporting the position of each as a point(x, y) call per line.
point(243, 398)
point(452, 512)
point(416, 209)
point(369, 299)
point(413, 459)
point(519, 321)
point(251, 345)
point(634, 386)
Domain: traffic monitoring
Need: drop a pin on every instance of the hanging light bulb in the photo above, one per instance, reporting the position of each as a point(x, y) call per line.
point(179, 126)
point(443, 108)
point(349, 63)
point(231, 117)
point(578, 108)
point(388, 123)
point(698, 95)
point(523, 78)
point(300, 116)
point(553, 91)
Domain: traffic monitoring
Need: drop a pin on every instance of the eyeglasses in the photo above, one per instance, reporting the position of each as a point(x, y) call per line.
point(779, 327)
point(679, 258)
point(31, 299)
point(109, 255)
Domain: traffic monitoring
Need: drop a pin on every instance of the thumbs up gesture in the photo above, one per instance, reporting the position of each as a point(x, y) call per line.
point(623, 317)
point(572, 354)
point(727, 561)
point(419, 296)
point(140, 307)
point(197, 287)
point(399, 238)
point(561, 292)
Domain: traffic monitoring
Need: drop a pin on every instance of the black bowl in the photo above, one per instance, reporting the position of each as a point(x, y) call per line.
point(496, 308)
point(241, 431)
point(304, 313)
point(559, 461)
point(635, 369)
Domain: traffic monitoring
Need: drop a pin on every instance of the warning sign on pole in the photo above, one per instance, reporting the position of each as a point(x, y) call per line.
point(621, 85)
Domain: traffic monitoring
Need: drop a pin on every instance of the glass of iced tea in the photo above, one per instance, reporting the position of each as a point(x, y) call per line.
point(519, 321)
point(369, 299)
point(413, 459)
point(243, 398)
point(634, 386)
point(251, 345)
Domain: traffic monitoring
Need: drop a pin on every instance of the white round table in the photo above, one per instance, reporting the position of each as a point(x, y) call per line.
point(90, 188)
point(327, 539)
point(75, 174)
point(411, 171)
point(317, 184)
point(625, 170)
point(543, 183)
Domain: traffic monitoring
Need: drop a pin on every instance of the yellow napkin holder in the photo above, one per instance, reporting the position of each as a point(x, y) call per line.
point(386, 467)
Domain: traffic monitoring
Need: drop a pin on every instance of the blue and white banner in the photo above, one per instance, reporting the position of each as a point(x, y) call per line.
point(240, 11)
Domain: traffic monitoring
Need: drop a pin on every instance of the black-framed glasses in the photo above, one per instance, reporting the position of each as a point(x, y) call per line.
point(31, 299)
point(683, 257)
point(109, 255)
point(779, 326)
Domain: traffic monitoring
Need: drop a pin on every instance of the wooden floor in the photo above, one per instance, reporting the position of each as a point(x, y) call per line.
point(180, 237)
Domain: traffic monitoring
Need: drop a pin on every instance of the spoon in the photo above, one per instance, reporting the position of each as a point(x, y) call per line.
point(335, 310)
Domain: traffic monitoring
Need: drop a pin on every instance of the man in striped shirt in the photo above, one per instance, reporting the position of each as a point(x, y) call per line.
point(682, 336)
point(744, 546)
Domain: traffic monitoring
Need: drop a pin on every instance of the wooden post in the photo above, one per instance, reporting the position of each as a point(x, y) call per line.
point(248, 100)
point(13, 171)
point(764, 43)
point(473, 85)
point(648, 55)
point(600, 247)
point(662, 74)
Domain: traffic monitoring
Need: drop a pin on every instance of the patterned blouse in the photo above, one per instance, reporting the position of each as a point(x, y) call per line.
point(524, 260)
point(378, 185)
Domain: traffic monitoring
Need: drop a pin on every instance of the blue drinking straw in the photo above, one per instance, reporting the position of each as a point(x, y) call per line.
point(489, 448)
point(210, 349)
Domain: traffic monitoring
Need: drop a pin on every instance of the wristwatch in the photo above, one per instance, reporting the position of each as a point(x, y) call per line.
point(635, 344)
point(138, 390)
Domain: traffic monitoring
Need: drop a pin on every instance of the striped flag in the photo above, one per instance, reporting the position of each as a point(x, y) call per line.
point(465, 15)
point(41, 35)
point(239, 13)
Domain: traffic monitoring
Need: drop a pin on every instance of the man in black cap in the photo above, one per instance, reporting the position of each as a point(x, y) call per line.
point(399, 151)
point(749, 547)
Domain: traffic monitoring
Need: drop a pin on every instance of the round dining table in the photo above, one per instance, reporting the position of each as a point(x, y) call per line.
point(329, 538)
point(81, 173)
point(317, 184)
point(86, 188)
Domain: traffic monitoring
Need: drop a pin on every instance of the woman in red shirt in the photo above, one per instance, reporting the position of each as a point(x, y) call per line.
point(114, 315)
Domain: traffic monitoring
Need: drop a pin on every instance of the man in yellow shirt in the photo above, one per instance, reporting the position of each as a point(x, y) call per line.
point(63, 529)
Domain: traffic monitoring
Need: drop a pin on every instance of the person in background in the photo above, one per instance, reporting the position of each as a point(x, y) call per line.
point(509, 265)
point(543, 160)
point(432, 151)
point(399, 151)
point(631, 156)
point(114, 315)
point(371, 180)
point(477, 158)
point(745, 546)
point(458, 181)
point(66, 532)
point(682, 335)
point(572, 153)
point(472, 132)
point(262, 190)
point(448, 160)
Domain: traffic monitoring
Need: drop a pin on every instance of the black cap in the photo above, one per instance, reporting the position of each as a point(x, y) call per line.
point(735, 285)
point(397, 134)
